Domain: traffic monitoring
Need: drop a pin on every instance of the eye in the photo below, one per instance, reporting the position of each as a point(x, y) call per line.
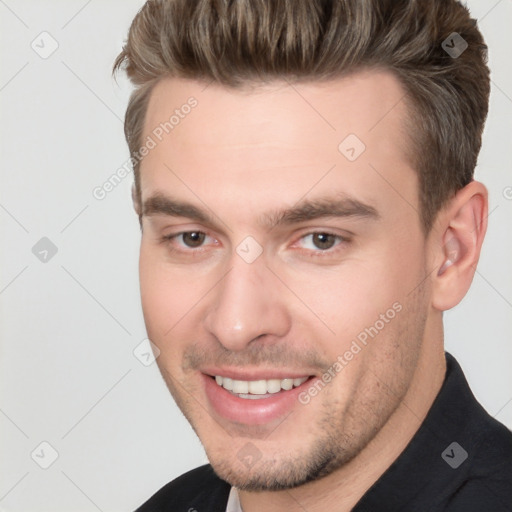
point(192, 238)
point(321, 242)
point(189, 240)
point(318, 243)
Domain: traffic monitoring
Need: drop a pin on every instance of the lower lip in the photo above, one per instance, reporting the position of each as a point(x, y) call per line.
point(251, 411)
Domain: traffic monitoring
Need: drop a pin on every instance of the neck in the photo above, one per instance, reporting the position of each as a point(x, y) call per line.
point(342, 489)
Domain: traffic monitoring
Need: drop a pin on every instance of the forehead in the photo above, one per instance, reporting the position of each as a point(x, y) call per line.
point(359, 101)
point(280, 138)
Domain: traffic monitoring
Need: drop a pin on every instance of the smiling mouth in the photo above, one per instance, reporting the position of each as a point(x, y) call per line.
point(256, 389)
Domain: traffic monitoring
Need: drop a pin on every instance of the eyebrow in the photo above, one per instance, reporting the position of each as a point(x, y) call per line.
point(304, 210)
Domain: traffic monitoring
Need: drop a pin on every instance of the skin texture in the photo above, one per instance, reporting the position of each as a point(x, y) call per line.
point(298, 306)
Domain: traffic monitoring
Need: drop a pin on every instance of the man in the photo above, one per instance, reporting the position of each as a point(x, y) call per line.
point(304, 183)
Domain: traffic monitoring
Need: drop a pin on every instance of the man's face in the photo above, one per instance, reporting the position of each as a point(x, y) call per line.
point(313, 323)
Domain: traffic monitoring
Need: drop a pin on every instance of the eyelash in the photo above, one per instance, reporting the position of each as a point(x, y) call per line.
point(167, 239)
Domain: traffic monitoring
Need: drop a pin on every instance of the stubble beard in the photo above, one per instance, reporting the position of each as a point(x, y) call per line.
point(344, 430)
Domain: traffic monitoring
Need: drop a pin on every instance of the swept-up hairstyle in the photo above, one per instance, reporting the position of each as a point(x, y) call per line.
point(246, 42)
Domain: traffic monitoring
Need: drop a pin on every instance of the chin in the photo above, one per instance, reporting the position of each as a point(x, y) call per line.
point(274, 474)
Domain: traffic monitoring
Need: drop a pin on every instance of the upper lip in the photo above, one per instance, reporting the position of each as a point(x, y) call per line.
point(255, 374)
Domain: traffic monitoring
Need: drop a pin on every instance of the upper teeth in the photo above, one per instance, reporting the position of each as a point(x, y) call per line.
point(258, 387)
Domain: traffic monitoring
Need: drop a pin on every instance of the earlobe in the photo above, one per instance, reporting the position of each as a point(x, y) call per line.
point(461, 230)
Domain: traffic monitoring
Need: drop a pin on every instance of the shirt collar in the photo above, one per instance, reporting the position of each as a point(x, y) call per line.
point(425, 469)
point(233, 501)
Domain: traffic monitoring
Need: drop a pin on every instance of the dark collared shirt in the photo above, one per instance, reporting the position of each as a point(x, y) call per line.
point(460, 460)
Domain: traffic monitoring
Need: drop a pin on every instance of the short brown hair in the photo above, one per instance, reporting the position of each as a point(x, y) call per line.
point(237, 42)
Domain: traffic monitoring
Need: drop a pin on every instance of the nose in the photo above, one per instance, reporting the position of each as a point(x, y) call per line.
point(248, 303)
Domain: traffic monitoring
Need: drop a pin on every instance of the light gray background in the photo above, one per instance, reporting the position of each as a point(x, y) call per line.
point(69, 326)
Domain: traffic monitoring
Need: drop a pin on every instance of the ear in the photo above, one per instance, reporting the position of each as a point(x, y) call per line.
point(456, 242)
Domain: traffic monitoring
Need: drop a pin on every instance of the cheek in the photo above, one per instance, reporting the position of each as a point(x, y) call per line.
point(163, 294)
point(361, 297)
point(172, 302)
point(352, 297)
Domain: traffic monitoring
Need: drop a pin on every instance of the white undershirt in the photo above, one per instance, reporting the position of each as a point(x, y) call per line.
point(233, 501)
